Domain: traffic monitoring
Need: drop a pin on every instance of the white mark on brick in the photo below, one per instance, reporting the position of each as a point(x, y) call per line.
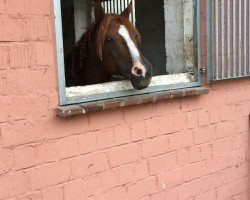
point(163, 186)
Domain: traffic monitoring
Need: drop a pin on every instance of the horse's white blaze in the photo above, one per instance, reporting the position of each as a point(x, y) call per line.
point(132, 48)
point(135, 54)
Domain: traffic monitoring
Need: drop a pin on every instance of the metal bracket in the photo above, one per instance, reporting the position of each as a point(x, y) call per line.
point(203, 70)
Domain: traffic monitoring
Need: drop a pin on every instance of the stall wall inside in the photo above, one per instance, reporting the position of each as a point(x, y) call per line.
point(150, 23)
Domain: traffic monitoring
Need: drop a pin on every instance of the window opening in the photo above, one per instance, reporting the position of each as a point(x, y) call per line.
point(167, 30)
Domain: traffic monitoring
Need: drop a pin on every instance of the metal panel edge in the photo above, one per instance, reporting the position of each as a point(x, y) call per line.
point(209, 4)
point(231, 78)
point(197, 17)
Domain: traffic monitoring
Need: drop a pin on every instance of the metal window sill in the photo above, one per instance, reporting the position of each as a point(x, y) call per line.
point(84, 108)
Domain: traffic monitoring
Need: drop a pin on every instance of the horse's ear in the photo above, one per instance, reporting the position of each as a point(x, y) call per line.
point(127, 11)
point(99, 11)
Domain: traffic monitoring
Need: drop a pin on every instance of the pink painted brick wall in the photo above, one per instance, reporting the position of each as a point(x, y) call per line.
point(194, 148)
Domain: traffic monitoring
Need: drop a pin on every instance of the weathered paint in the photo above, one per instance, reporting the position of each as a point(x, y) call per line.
point(174, 36)
point(183, 148)
point(188, 28)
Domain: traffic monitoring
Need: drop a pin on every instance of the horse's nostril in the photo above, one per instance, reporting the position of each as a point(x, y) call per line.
point(139, 72)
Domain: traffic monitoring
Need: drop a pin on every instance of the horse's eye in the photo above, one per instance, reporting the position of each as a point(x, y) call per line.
point(136, 35)
point(109, 39)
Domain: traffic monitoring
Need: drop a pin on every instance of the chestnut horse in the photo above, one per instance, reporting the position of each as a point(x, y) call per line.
point(111, 46)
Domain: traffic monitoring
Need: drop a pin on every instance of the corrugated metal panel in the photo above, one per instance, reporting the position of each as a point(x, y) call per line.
point(228, 40)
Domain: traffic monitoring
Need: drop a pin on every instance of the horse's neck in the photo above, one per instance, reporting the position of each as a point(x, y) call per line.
point(84, 67)
point(92, 70)
point(95, 71)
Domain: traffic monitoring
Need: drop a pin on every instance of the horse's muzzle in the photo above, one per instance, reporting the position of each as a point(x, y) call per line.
point(140, 82)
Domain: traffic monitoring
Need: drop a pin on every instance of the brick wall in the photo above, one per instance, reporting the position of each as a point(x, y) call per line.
point(194, 148)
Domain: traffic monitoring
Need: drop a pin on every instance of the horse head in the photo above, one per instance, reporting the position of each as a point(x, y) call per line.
point(118, 47)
